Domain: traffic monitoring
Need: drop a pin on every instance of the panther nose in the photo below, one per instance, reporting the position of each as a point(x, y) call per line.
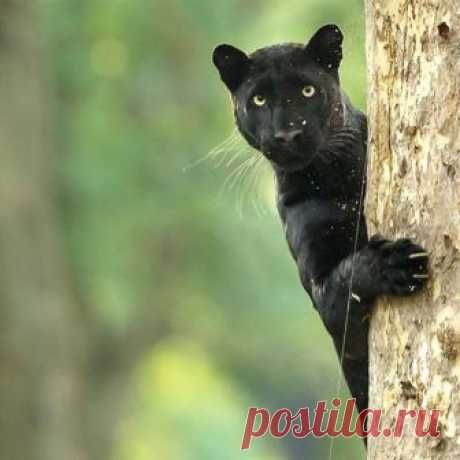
point(287, 136)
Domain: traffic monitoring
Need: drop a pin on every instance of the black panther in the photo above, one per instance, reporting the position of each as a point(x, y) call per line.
point(289, 105)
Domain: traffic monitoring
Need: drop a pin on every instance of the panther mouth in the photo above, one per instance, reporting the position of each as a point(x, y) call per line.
point(290, 159)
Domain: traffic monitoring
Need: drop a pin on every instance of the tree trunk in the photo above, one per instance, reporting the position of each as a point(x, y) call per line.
point(40, 336)
point(413, 50)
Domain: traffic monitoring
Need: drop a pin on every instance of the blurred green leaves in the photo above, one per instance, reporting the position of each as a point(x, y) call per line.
point(185, 409)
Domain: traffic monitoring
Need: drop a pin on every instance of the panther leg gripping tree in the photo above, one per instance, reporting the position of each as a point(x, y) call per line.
point(413, 51)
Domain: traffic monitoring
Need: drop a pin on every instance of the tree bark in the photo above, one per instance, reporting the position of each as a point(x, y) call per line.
point(413, 50)
point(41, 335)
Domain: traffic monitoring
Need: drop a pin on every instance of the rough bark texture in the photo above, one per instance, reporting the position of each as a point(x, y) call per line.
point(413, 50)
point(40, 337)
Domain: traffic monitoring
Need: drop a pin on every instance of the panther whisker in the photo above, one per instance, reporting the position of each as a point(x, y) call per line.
point(236, 147)
point(225, 155)
point(254, 182)
point(418, 255)
point(227, 145)
point(238, 154)
point(238, 172)
point(243, 172)
point(247, 183)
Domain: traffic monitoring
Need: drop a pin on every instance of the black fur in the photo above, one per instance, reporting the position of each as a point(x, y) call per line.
point(316, 144)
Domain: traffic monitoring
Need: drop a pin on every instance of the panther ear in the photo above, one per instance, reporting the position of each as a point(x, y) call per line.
point(325, 47)
point(232, 64)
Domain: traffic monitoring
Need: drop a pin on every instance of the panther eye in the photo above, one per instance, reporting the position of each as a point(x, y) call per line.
point(259, 100)
point(308, 91)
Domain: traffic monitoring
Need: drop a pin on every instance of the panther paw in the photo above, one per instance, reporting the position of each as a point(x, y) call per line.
point(402, 265)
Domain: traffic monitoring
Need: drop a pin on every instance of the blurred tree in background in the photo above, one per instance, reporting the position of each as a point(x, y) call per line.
point(41, 333)
point(148, 298)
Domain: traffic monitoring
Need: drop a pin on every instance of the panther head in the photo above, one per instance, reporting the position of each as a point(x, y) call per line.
point(287, 98)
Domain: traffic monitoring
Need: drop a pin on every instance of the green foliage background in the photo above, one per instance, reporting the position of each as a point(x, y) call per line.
point(187, 285)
